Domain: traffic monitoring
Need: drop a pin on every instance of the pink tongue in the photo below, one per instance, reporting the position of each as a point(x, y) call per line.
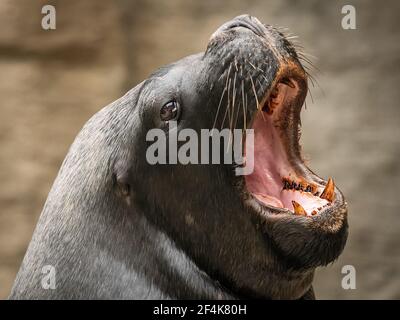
point(269, 199)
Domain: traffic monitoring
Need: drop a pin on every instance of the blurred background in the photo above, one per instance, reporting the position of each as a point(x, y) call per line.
point(52, 81)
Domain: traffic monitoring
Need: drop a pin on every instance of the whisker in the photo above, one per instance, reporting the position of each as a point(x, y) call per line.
point(234, 95)
point(254, 91)
point(228, 104)
point(219, 106)
point(244, 110)
point(309, 55)
point(255, 95)
point(237, 115)
point(233, 108)
point(251, 64)
point(222, 96)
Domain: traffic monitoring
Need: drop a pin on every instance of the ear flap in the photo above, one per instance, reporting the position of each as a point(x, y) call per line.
point(120, 172)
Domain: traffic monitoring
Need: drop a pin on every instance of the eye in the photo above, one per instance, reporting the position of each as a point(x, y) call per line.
point(169, 111)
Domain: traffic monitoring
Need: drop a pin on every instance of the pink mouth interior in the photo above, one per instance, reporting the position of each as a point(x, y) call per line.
point(271, 164)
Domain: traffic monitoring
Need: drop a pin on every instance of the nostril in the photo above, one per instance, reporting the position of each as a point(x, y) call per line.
point(248, 22)
point(243, 21)
point(237, 24)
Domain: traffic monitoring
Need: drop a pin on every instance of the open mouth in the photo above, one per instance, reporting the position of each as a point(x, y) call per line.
point(281, 182)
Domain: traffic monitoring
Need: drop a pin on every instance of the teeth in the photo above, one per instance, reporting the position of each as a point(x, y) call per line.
point(329, 191)
point(300, 186)
point(298, 209)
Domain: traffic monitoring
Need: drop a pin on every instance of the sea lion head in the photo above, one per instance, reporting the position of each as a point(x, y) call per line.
point(261, 234)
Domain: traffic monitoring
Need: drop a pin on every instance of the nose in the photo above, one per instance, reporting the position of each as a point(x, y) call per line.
point(244, 21)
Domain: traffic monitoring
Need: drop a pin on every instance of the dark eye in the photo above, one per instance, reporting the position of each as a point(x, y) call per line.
point(169, 111)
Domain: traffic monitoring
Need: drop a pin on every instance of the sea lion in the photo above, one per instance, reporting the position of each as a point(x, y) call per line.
point(115, 226)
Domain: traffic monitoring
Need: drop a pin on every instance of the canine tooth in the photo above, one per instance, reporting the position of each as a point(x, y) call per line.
point(298, 209)
point(329, 191)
